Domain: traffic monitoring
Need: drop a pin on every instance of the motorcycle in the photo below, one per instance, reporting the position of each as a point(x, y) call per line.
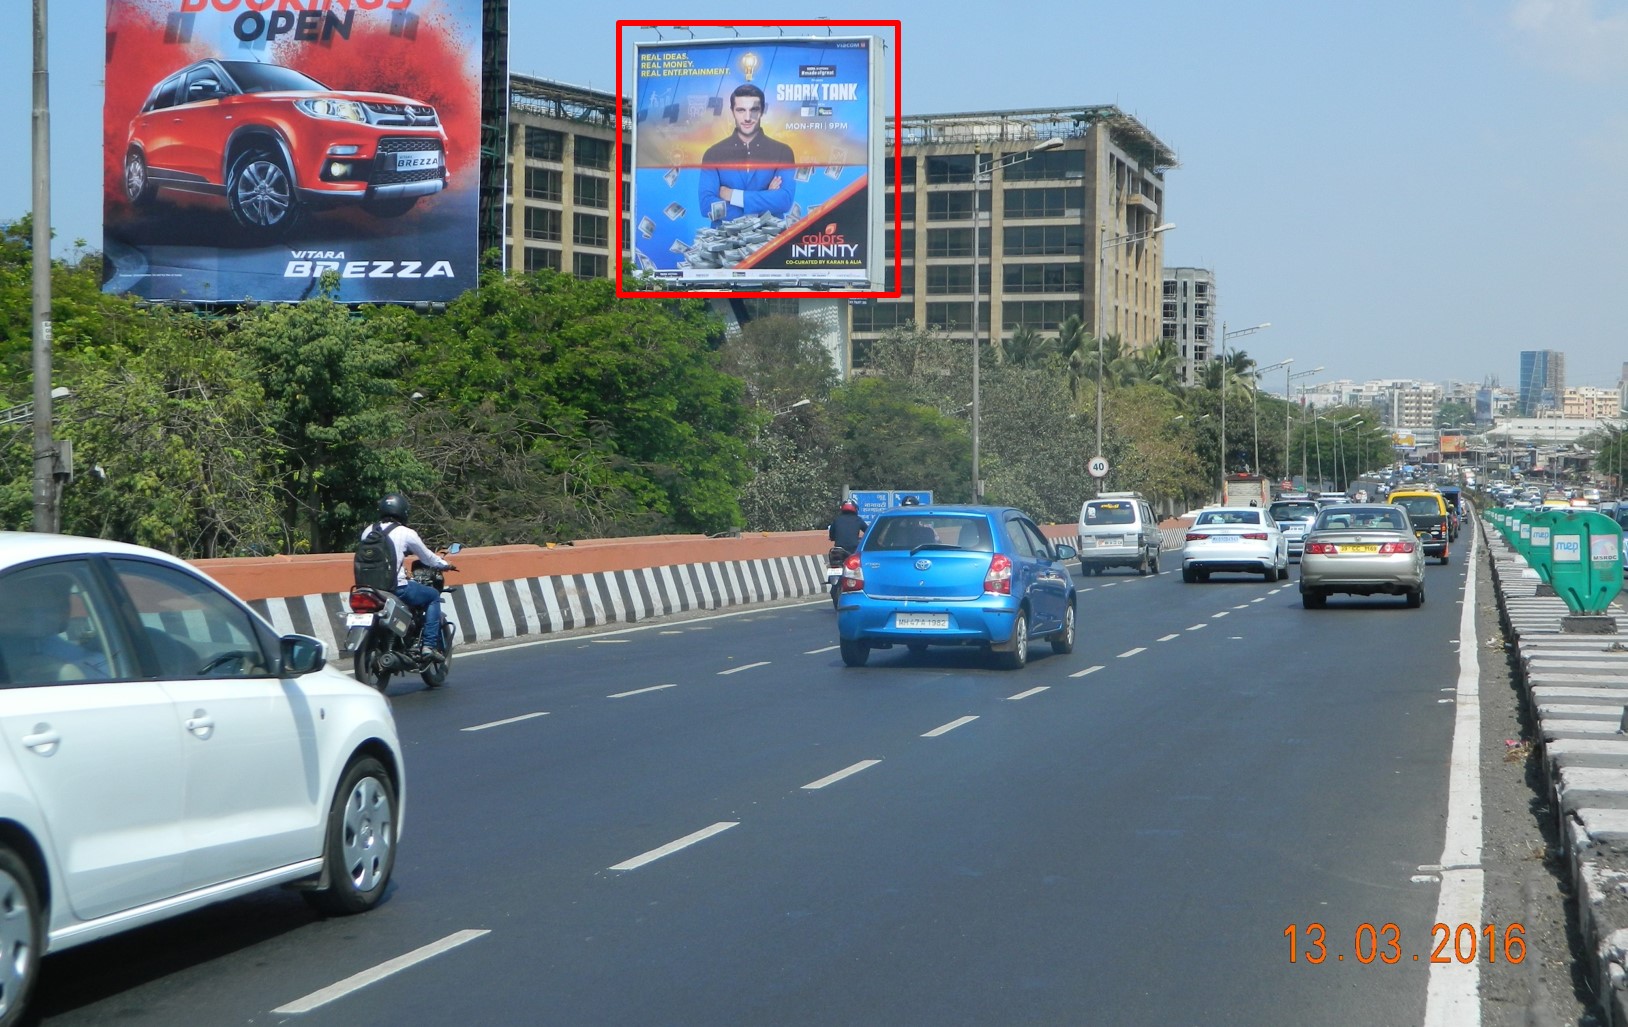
point(383, 631)
point(835, 557)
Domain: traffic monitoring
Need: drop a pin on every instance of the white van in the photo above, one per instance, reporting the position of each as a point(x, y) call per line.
point(1118, 529)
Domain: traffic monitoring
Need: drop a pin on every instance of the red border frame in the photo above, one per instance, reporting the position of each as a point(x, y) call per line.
point(898, 165)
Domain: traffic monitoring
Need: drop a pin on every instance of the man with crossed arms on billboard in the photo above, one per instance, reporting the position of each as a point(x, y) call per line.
point(747, 172)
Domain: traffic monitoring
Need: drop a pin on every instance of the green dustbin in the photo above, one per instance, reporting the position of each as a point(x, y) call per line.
point(1585, 563)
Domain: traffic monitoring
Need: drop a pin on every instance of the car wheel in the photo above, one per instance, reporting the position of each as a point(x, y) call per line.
point(1446, 555)
point(1142, 565)
point(854, 654)
point(1097, 570)
point(1155, 561)
point(394, 207)
point(1313, 600)
point(22, 935)
point(1270, 573)
point(138, 186)
point(1416, 597)
point(1062, 643)
point(366, 664)
point(1017, 655)
point(1203, 575)
point(436, 675)
point(1189, 575)
point(260, 193)
point(360, 850)
point(1283, 572)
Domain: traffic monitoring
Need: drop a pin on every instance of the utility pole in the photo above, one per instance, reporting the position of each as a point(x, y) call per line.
point(45, 448)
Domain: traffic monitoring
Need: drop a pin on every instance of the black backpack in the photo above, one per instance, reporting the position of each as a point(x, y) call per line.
point(376, 558)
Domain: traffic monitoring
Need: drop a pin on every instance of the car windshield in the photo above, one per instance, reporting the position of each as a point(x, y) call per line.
point(1229, 517)
point(1297, 511)
point(1109, 512)
point(948, 531)
point(1360, 517)
point(270, 78)
point(1420, 506)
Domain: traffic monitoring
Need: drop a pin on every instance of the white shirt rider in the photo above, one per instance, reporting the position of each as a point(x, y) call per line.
point(406, 540)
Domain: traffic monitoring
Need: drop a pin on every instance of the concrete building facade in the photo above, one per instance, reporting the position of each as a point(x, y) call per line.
point(1188, 317)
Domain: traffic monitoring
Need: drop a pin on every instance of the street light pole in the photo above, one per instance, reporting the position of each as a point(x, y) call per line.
point(1288, 408)
point(1255, 399)
point(1225, 335)
point(1096, 318)
point(980, 171)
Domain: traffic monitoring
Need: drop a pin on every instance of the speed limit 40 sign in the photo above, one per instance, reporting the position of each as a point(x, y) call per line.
point(1098, 466)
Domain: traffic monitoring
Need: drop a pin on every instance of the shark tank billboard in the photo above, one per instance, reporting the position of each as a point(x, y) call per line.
point(252, 146)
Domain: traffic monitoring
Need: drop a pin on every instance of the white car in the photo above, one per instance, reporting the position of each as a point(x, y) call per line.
point(1241, 539)
point(165, 749)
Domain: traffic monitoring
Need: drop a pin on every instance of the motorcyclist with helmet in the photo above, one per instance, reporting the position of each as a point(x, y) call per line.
point(848, 528)
point(392, 523)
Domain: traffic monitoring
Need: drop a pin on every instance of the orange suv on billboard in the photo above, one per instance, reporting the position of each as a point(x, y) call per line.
point(277, 143)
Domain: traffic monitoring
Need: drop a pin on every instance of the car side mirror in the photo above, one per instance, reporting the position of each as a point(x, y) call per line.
point(1063, 551)
point(302, 654)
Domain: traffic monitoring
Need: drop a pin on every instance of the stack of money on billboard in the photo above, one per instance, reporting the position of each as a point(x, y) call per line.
point(755, 162)
point(251, 147)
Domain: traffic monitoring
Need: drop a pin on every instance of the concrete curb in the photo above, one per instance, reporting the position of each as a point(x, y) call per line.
point(1577, 691)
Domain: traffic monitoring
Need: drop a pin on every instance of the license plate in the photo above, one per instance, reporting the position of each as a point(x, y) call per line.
point(1110, 540)
point(359, 620)
point(1359, 549)
point(418, 160)
point(937, 621)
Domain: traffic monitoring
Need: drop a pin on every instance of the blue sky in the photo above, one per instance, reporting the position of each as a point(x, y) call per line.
point(1403, 189)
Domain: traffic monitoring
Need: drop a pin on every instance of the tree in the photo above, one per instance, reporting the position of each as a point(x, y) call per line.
point(781, 359)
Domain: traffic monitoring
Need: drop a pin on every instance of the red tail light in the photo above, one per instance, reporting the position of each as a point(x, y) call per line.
point(853, 580)
point(1256, 536)
point(365, 602)
point(1196, 536)
point(1397, 547)
point(1322, 548)
point(999, 578)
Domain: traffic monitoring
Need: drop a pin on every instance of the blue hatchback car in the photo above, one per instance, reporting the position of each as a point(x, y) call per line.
point(956, 575)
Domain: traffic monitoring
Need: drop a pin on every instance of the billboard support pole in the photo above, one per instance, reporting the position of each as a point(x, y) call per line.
point(45, 450)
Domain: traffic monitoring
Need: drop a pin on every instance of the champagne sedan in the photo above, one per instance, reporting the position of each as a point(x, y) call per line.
point(1361, 549)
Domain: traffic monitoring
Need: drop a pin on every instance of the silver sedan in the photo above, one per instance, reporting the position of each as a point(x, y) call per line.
point(1361, 549)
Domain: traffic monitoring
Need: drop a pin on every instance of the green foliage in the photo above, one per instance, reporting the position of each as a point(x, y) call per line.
point(891, 439)
point(782, 360)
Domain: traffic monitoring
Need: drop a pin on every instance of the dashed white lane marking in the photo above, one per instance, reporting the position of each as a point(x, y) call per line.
point(1167, 638)
point(831, 779)
point(640, 691)
point(744, 666)
point(1088, 588)
point(356, 982)
point(669, 632)
point(612, 641)
point(671, 847)
point(1198, 627)
point(511, 720)
point(1260, 599)
point(947, 728)
point(816, 652)
point(1110, 584)
point(1025, 695)
point(1223, 613)
point(1133, 652)
point(1243, 606)
point(1088, 670)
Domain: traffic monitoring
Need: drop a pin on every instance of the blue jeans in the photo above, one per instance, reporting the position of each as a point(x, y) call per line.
point(423, 597)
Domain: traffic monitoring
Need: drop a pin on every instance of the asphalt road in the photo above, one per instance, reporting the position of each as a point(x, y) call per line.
point(1122, 835)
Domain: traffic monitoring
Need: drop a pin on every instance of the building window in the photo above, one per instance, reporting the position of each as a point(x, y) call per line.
point(594, 153)
point(1050, 164)
point(1201, 310)
point(881, 317)
point(590, 265)
point(591, 191)
point(1040, 315)
point(956, 206)
point(1198, 332)
point(909, 280)
point(1169, 314)
point(542, 184)
point(539, 258)
point(1045, 240)
point(909, 242)
point(909, 170)
point(948, 279)
point(907, 209)
point(955, 242)
point(1053, 202)
point(542, 223)
point(589, 230)
point(1169, 289)
point(541, 144)
point(1201, 288)
point(1043, 278)
point(957, 316)
point(953, 167)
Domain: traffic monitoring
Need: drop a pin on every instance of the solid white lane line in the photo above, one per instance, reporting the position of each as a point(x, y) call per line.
point(1167, 638)
point(1223, 613)
point(378, 973)
point(1133, 652)
point(1198, 627)
point(511, 720)
point(746, 666)
point(671, 847)
point(816, 652)
point(640, 691)
point(1025, 695)
point(831, 779)
point(1088, 670)
point(1453, 994)
point(947, 728)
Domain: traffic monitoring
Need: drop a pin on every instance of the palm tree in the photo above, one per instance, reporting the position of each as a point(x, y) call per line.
point(1026, 348)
